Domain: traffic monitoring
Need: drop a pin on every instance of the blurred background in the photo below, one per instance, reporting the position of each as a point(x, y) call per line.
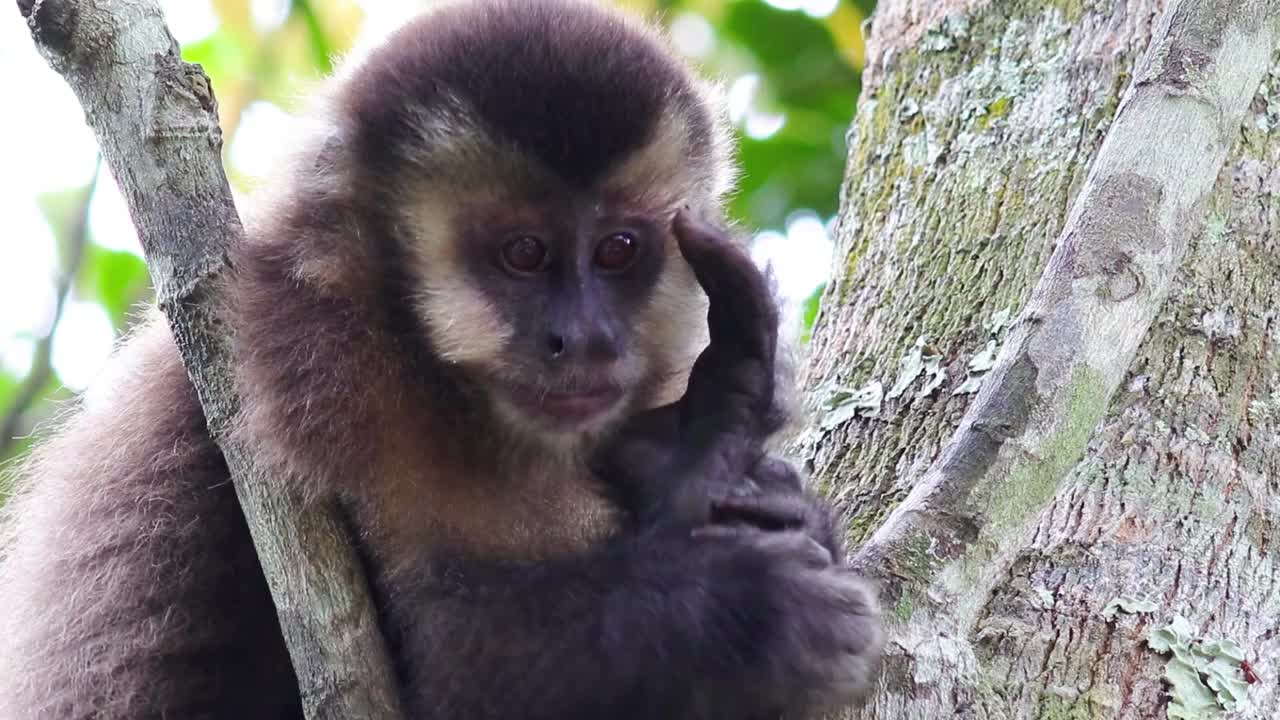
point(72, 277)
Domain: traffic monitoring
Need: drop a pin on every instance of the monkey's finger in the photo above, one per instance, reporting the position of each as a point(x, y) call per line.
point(776, 475)
point(797, 546)
point(743, 314)
point(722, 532)
point(731, 385)
point(771, 512)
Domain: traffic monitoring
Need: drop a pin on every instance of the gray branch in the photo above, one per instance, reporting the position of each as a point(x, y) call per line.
point(156, 121)
point(1113, 266)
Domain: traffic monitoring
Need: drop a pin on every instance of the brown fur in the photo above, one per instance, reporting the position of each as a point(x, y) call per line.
point(128, 587)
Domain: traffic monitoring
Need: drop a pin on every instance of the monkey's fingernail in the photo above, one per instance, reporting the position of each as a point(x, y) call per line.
point(714, 532)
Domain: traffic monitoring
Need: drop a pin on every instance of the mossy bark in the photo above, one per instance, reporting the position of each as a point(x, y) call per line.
point(977, 129)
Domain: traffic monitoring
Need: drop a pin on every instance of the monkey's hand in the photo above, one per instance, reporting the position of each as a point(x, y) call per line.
point(667, 464)
point(701, 460)
point(773, 498)
point(814, 625)
point(722, 623)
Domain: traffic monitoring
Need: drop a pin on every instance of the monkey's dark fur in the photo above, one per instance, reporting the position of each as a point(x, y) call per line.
point(522, 568)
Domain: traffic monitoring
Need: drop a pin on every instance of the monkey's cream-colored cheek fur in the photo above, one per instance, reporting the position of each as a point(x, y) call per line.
point(463, 325)
point(673, 324)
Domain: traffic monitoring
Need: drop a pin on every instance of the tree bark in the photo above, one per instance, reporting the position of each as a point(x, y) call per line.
point(1063, 160)
point(155, 118)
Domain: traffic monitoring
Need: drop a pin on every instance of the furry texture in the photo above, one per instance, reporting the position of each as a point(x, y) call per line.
point(509, 580)
point(130, 590)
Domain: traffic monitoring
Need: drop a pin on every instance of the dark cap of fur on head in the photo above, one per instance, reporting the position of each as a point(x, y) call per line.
point(570, 84)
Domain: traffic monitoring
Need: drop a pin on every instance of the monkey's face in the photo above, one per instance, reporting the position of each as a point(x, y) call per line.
point(569, 309)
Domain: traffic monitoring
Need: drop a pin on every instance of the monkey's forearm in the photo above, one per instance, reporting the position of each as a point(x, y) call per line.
point(669, 631)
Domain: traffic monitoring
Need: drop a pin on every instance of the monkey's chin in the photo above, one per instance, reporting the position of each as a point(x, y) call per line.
point(563, 413)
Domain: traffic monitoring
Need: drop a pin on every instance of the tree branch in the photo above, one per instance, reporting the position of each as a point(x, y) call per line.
point(947, 544)
point(155, 118)
point(42, 357)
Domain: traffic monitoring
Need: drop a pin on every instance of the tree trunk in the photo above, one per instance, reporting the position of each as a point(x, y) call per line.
point(1038, 190)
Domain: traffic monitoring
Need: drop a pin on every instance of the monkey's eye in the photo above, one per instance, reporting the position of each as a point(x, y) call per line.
point(524, 254)
point(616, 251)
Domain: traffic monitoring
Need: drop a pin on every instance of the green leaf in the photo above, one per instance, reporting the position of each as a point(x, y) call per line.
point(787, 171)
point(61, 210)
point(224, 55)
point(810, 312)
point(321, 48)
point(797, 57)
point(8, 385)
point(114, 279)
point(865, 7)
point(805, 78)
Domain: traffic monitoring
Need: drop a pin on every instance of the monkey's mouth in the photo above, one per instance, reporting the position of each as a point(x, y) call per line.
point(569, 406)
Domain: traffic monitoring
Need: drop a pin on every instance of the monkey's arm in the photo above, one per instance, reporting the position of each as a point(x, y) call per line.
point(701, 460)
point(671, 627)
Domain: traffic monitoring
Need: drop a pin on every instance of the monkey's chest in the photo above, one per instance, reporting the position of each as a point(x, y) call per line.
point(507, 517)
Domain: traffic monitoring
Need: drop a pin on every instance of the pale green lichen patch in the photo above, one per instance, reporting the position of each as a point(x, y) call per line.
point(1129, 605)
point(1069, 705)
point(1206, 677)
point(1034, 478)
point(979, 365)
point(945, 35)
point(921, 359)
point(841, 404)
point(1217, 228)
point(995, 110)
point(982, 362)
point(1265, 409)
point(903, 608)
point(914, 558)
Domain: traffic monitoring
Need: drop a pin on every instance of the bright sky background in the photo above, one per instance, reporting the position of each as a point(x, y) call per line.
point(45, 146)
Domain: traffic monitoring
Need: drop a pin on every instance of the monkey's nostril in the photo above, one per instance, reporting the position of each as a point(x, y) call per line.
point(555, 344)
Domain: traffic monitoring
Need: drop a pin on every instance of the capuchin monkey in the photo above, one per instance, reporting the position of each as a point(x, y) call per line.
point(491, 311)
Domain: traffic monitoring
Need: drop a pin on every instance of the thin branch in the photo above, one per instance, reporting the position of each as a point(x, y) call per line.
point(156, 121)
point(42, 357)
point(947, 544)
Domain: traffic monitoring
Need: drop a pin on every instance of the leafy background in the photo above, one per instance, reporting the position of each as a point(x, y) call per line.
point(72, 278)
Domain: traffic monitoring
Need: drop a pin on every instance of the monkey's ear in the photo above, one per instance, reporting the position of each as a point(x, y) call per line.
point(731, 386)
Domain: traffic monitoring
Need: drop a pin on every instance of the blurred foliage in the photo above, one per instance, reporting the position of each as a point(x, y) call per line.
point(807, 69)
point(810, 312)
